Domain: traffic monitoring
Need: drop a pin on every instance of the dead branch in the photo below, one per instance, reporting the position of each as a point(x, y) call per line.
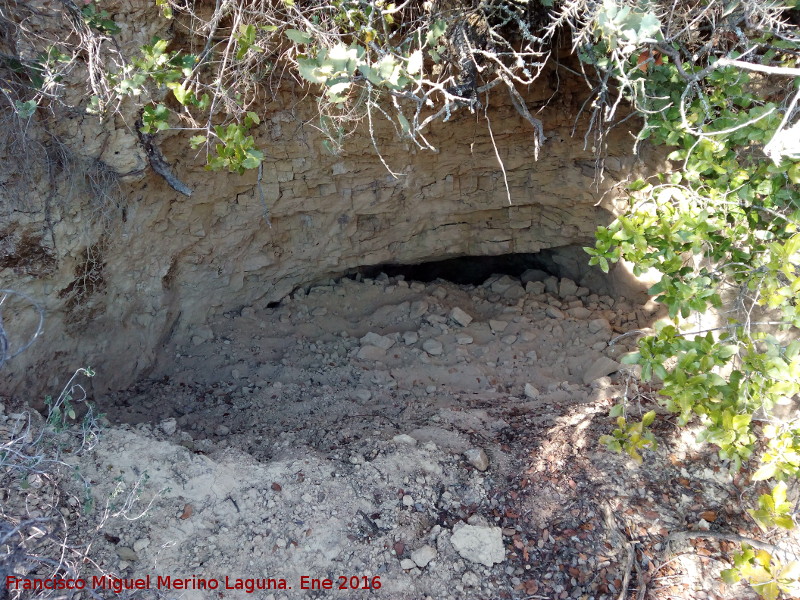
point(158, 163)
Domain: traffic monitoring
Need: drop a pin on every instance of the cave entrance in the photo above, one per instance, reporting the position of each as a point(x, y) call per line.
point(569, 262)
point(463, 270)
point(371, 345)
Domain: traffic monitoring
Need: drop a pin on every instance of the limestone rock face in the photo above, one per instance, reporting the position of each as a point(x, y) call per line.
point(128, 270)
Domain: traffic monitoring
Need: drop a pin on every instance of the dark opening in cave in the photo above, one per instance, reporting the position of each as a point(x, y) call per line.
point(463, 269)
point(564, 261)
point(570, 262)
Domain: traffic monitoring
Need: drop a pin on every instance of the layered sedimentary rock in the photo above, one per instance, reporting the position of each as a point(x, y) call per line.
point(125, 267)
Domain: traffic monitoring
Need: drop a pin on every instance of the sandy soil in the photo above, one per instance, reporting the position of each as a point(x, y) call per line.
point(399, 440)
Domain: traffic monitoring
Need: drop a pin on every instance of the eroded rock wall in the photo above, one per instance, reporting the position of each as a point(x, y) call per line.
point(127, 268)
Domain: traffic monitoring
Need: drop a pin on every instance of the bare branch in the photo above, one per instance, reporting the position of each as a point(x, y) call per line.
point(768, 69)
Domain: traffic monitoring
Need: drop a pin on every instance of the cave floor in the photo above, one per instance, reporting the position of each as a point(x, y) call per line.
point(349, 434)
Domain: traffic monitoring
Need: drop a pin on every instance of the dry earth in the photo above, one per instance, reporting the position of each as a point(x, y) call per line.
point(425, 440)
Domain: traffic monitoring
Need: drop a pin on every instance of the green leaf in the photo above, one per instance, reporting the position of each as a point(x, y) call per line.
point(247, 33)
point(25, 109)
point(741, 422)
point(338, 91)
point(159, 46)
point(389, 69)
point(784, 521)
point(794, 173)
point(714, 379)
point(181, 94)
point(660, 371)
point(344, 60)
point(166, 9)
point(765, 472)
point(779, 493)
point(309, 69)
point(405, 126)
point(217, 163)
point(648, 418)
point(647, 371)
point(631, 358)
point(764, 558)
point(414, 63)
point(298, 36)
point(650, 28)
point(435, 31)
point(252, 161)
point(370, 73)
point(730, 576)
point(791, 571)
point(768, 590)
point(792, 246)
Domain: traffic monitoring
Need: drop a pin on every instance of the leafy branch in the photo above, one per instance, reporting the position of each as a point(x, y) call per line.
point(721, 226)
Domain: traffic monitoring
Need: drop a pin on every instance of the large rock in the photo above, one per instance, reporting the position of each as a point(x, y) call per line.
point(580, 312)
point(374, 339)
point(432, 347)
point(597, 325)
point(371, 353)
point(460, 317)
point(502, 284)
point(477, 458)
point(567, 287)
point(479, 544)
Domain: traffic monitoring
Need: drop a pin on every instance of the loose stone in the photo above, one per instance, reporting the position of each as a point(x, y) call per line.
point(432, 347)
point(531, 392)
point(423, 556)
point(477, 458)
point(373, 339)
point(410, 337)
point(567, 288)
point(498, 326)
point(460, 317)
point(478, 543)
point(597, 325)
